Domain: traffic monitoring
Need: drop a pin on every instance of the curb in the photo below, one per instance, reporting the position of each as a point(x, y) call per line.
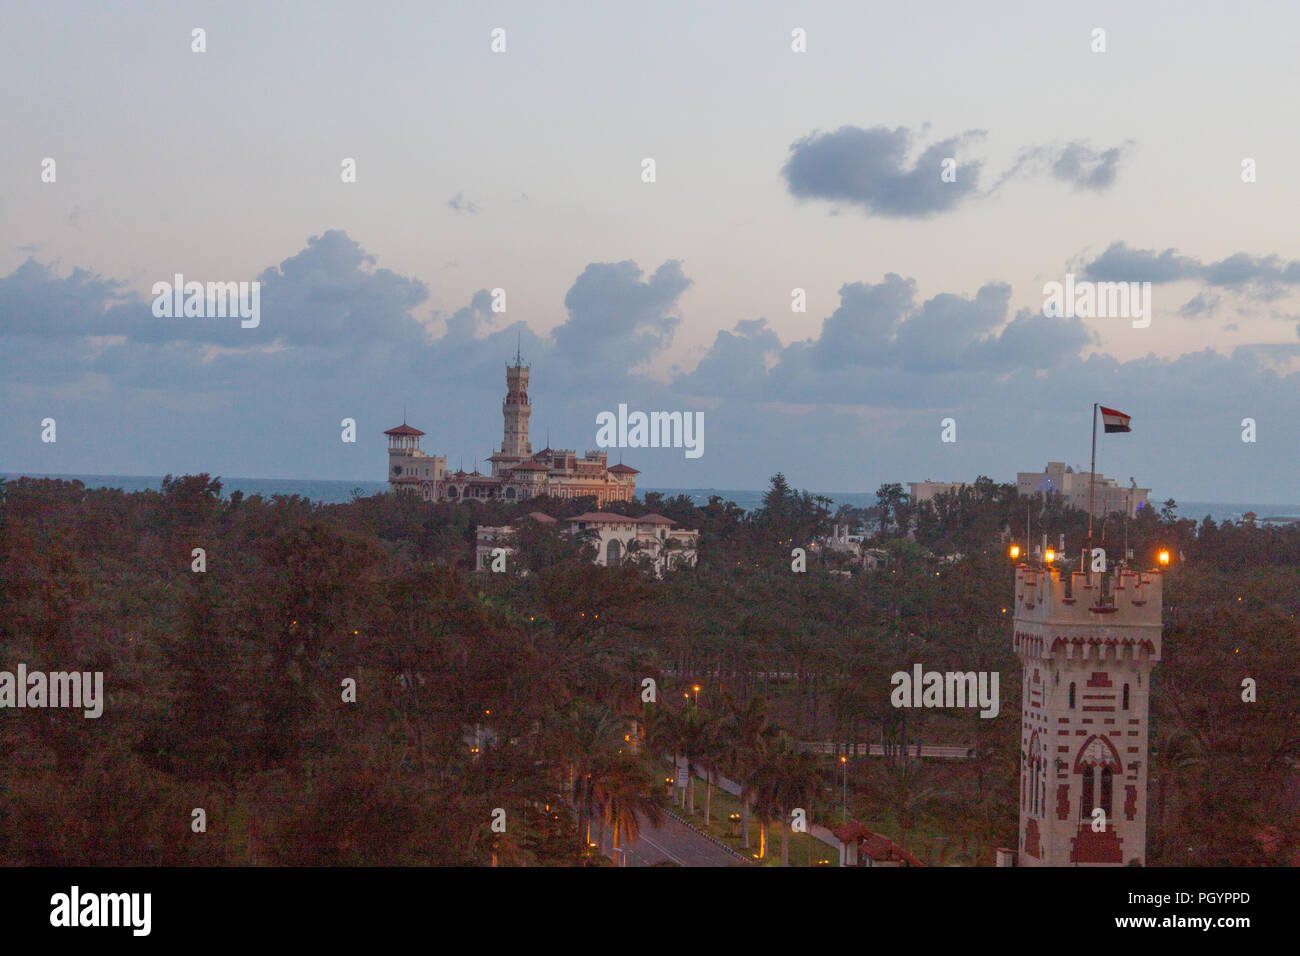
point(708, 836)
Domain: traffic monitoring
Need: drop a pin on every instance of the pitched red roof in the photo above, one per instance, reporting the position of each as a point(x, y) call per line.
point(622, 469)
point(541, 517)
point(873, 846)
point(530, 466)
point(654, 519)
point(404, 429)
point(598, 517)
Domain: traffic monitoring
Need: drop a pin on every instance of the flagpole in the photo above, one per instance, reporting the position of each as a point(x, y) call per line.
point(1092, 477)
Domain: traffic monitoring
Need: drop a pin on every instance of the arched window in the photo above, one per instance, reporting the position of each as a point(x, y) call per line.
point(1072, 695)
point(452, 493)
point(510, 493)
point(1126, 696)
point(1107, 781)
point(613, 553)
point(1086, 801)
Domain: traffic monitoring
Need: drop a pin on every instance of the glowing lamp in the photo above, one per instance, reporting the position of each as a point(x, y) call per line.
point(1015, 551)
point(1051, 555)
point(1164, 557)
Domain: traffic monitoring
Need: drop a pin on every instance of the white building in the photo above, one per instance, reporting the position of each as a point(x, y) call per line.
point(925, 490)
point(618, 539)
point(1059, 479)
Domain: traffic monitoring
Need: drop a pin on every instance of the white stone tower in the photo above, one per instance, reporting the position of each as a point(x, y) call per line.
point(1086, 661)
point(516, 409)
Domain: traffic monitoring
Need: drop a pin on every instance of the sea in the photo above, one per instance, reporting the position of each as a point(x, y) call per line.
point(337, 492)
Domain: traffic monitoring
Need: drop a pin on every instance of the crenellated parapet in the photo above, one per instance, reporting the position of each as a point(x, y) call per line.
point(1087, 643)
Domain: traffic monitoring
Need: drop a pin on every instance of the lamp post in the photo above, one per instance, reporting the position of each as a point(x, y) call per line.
point(844, 789)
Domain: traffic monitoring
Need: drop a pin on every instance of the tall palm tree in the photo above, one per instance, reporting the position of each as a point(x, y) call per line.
point(744, 737)
point(800, 785)
point(663, 733)
point(695, 732)
point(591, 734)
point(624, 793)
point(762, 791)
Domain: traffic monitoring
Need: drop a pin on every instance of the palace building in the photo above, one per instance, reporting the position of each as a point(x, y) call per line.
point(516, 471)
point(1086, 656)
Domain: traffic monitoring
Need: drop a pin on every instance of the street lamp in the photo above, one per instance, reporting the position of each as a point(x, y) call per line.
point(844, 789)
point(1015, 551)
point(1164, 557)
point(697, 696)
point(1050, 556)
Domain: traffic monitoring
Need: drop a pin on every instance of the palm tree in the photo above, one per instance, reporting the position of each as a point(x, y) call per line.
point(744, 738)
point(910, 788)
point(624, 794)
point(762, 790)
point(663, 733)
point(591, 734)
point(800, 785)
point(695, 728)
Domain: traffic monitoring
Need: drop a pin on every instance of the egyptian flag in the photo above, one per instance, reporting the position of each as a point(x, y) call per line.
point(1114, 421)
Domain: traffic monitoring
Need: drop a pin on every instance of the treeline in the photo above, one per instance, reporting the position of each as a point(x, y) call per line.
point(227, 686)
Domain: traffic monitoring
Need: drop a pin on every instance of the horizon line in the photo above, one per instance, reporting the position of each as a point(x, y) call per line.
point(6, 475)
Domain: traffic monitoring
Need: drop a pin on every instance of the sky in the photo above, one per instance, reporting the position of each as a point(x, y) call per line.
point(775, 169)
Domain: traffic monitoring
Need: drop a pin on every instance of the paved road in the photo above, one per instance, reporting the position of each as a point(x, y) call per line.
point(675, 842)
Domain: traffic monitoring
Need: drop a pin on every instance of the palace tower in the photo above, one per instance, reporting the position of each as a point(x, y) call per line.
point(1086, 657)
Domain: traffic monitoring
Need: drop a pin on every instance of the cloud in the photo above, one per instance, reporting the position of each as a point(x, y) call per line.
point(34, 301)
point(464, 324)
point(868, 168)
point(617, 319)
point(1202, 304)
point(460, 204)
point(1259, 277)
point(861, 331)
point(1085, 168)
point(1075, 163)
point(882, 346)
point(737, 357)
point(856, 403)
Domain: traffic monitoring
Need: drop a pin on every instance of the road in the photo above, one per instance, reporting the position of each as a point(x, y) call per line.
point(675, 842)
